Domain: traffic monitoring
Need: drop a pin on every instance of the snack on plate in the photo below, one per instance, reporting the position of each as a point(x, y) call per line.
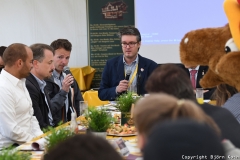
point(121, 130)
point(117, 117)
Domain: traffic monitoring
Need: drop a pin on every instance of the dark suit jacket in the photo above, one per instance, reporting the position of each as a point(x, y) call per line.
point(201, 72)
point(227, 123)
point(113, 73)
point(38, 101)
point(58, 98)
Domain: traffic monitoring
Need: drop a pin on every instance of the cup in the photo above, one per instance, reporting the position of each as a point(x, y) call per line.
point(199, 95)
point(83, 105)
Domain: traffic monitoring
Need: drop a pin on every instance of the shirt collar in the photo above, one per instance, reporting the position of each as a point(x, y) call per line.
point(56, 74)
point(41, 83)
point(14, 80)
point(194, 68)
point(135, 61)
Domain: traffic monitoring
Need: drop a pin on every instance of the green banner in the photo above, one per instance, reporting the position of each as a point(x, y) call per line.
point(105, 19)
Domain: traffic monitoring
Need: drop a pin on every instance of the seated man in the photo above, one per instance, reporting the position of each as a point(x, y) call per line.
point(42, 68)
point(173, 80)
point(2, 49)
point(17, 123)
point(114, 77)
point(196, 73)
point(63, 90)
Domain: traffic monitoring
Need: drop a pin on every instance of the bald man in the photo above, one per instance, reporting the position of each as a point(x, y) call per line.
point(17, 123)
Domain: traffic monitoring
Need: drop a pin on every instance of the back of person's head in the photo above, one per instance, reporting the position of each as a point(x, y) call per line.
point(160, 107)
point(61, 43)
point(2, 49)
point(223, 92)
point(182, 139)
point(14, 52)
point(38, 51)
point(86, 147)
point(170, 79)
point(130, 31)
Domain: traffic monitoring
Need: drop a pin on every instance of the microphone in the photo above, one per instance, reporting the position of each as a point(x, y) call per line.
point(66, 70)
point(128, 73)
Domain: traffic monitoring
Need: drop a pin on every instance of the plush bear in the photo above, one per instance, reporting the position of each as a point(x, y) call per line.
point(218, 48)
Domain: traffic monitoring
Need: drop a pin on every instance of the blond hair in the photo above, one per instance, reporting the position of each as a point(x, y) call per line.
point(160, 107)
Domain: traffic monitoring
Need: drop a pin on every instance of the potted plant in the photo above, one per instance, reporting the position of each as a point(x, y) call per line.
point(98, 120)
point(124, 104)
point(57, 135)
point(14, 154)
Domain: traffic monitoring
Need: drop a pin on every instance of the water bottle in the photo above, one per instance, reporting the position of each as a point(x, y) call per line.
point(73, 123)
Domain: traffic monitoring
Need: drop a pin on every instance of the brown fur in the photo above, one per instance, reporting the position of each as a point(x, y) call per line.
point(207, 47)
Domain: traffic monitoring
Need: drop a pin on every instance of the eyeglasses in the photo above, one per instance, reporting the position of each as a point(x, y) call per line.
point(130, 44)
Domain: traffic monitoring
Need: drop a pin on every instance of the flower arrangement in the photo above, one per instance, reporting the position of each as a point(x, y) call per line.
point(125, 101)
point(98, 119)
point(56, 136)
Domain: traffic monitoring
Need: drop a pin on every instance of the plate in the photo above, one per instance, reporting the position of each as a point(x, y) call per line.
point(122, 135)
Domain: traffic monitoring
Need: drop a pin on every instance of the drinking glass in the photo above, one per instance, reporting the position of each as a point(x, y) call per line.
point(199, 95)
point(83, 105)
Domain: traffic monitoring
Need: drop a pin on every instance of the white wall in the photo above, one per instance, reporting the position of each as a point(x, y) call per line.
point(42, 21)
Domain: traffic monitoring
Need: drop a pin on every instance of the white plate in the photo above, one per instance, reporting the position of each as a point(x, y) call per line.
point(122, 135)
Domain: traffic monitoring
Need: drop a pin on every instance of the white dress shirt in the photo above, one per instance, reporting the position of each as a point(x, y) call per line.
point(197, 68)
point(17, 123)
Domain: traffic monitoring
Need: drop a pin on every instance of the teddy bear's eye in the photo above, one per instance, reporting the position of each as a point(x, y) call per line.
point(230, 46)
point(227, 49)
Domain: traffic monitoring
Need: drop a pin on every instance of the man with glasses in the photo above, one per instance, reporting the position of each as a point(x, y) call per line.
point(128, 71)
point(2, 49)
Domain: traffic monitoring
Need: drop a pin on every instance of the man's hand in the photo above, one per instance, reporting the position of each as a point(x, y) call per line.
point(122, 86)
point(67, 81)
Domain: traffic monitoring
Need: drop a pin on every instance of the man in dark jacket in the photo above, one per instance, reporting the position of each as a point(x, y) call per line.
point(42, 68)
point(196, 73)
point(172, 80)
point(62, 89)
point(114, 77)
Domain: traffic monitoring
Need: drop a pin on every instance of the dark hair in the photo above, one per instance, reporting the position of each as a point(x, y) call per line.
point(222, 93)
point(130, 31)
point(38, 51)
point(2, 49)
point(85, 146)
point(170, 79)
point(14, 52)
point(181, 139)
point(61, 43)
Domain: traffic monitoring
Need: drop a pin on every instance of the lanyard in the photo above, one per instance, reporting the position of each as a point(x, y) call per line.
point(133, 76)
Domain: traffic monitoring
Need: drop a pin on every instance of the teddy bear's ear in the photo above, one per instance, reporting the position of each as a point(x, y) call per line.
point(210, 80)
point(232, 11)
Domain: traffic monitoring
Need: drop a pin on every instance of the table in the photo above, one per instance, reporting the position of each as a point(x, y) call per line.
point(37, 154)
point(83, 76)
